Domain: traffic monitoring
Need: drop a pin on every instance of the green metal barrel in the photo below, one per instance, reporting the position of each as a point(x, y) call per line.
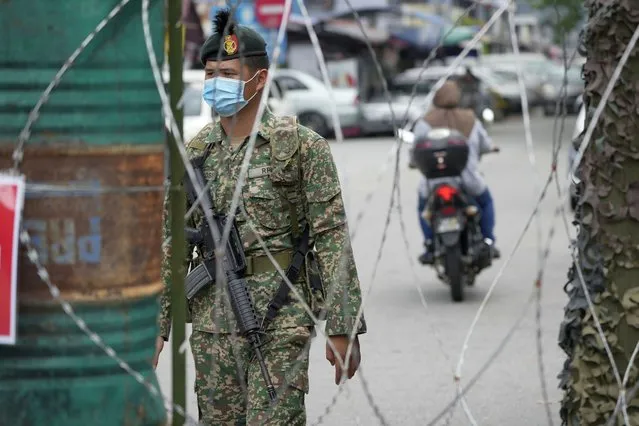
point(102, 128)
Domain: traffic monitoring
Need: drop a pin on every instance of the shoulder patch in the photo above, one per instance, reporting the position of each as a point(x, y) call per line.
point(198, 143)
point(284, 139)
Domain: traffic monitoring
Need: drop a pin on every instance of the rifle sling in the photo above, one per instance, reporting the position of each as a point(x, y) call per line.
point(292, 273)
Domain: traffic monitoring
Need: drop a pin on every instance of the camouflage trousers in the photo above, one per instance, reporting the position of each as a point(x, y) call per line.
point(229, 385)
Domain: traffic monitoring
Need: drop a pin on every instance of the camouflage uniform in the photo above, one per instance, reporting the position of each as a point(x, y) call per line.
point(218, 355)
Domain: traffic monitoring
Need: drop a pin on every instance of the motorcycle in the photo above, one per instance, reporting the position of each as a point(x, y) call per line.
point(460, 252)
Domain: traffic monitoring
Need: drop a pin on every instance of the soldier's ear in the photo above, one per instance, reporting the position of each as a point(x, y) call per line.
point(261, 79)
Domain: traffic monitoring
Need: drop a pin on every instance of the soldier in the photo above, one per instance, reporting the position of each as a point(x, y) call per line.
point(291, 191)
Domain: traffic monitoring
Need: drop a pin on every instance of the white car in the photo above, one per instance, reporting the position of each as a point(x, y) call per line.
point(197, 113)
point(377, 117)
point(309, 99)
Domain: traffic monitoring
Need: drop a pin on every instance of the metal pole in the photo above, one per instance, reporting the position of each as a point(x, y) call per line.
point(178, 210)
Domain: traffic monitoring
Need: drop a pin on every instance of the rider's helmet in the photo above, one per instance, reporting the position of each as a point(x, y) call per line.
point(441, 153)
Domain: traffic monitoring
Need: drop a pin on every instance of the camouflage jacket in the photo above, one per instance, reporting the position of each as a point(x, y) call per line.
point(264, 208)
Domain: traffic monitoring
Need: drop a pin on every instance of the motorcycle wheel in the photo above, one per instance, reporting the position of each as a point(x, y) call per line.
point(453, 267)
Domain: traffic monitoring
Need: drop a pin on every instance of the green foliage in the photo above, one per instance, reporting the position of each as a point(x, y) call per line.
point(564, 15)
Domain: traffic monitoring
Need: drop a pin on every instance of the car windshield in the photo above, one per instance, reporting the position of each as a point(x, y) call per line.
point(493, 78)
point(505, 76)
point(510, 75)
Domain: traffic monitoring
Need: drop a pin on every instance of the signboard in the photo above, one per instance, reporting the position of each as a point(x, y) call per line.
point(11, 200)
point(343, 73)
point(319, 7)
point(269, 13)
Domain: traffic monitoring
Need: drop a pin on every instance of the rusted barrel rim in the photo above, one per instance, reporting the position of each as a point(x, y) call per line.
point(54, 149)
point(99, 296)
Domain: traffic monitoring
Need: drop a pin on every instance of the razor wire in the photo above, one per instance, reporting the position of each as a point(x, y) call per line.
point(548, 182)
point(251, 142)
point(318, 52)
point(532, 160)
point(177, 139)
point(172, 126)
point(25, 134)
point(43, 274)
point(249, 150)
point(436, 87)
point(561, 208)
point(245, 167)
point(25, 238)
point(200, 191)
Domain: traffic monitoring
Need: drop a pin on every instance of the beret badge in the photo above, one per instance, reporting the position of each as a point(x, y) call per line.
point(230, 44)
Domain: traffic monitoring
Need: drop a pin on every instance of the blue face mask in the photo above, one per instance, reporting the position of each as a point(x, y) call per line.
point(226, 95)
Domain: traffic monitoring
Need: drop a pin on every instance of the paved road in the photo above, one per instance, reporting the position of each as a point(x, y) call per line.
point(410, 352)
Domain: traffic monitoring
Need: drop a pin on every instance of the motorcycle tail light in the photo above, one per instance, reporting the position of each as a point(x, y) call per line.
point(446, 193)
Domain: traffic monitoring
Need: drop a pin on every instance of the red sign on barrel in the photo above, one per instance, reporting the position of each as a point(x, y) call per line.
point(11, 199)
point(269, 13)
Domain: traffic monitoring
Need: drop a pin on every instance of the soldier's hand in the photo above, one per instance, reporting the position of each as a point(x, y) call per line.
point(341, 345)
point(159, 345)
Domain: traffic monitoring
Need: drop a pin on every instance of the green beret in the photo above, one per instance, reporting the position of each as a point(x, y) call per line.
point(237, 41)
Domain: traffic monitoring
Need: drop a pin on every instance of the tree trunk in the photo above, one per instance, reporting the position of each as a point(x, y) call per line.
point(608, 238)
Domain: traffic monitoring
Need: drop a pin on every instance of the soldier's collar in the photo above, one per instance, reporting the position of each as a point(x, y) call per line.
point(267, 125)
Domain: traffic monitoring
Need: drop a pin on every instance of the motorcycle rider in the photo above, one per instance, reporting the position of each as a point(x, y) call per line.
point(446, 113)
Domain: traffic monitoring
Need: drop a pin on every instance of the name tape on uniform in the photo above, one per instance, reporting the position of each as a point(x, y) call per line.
point(259, 172)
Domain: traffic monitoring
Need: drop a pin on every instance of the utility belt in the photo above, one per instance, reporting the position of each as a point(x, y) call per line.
point(303, 259)
point(204, 273)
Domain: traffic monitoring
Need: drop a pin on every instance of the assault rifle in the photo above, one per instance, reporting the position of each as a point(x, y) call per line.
point(233, 267)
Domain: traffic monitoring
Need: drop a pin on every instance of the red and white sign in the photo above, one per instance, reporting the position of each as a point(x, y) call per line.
point(269, 13)
point(11, 200)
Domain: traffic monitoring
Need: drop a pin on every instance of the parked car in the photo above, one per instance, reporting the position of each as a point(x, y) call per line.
point(573, 94)
point(510, 77)
point(307, 97)
point(542, 77)
point(480, 91)
point(504, 84)
point(197, 113)
point(377, 117)
point(506, 92)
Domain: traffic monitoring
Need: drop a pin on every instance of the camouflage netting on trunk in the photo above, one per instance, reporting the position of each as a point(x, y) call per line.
point(608, 238)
